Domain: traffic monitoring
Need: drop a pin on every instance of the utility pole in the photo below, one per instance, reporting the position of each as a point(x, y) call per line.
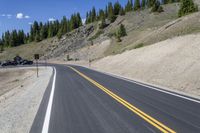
point(89, 60)
point(37, 67)
point(45, 59)
point(37, 56)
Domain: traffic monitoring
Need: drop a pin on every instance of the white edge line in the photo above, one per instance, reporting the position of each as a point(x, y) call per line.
point(167, 92)
point(45, 127)
point(143, 84)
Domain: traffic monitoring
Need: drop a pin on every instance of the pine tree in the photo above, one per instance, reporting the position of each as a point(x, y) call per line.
point(87, 18)
point(27, 38)
point(121, 32)
point(106, 12)
point(79, 20)
point(122, 12)
point(171, 1)
point(187, 7)
point(143, 4)
point(31, 37)
point(43, 33)
point(148, 3)
point(1, 46)
point(151, 3)
point(118, 37)
point(93, 17)
point(60, 33)
point(137, 5)
point(37, 36)
point(129, 6)
point(117, 8)
point(50, 30)
point(64, 25)
point(157, 7)
point(103, 23)
point(20, 37)
point(111, 15)
point(101, 14)
point(35, 28)
point(13, 39)
point(165, 1)
point(56, 27)
point(7, 38)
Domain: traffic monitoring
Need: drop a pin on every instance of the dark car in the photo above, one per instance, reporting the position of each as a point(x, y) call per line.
point(9, 63)
point(27, 62)
point(18, 60)
point(6, 63)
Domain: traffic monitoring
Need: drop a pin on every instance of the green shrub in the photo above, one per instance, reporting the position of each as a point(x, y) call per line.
point(157, 7)
point(187, 7)
point(139, 45)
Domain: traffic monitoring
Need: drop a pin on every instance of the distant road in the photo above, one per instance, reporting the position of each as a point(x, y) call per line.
point(80, 100)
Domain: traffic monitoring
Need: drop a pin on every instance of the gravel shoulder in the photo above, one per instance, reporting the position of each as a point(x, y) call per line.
point(20, 95)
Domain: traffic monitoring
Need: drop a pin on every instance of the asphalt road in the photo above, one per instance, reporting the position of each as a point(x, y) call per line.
point(80, 100)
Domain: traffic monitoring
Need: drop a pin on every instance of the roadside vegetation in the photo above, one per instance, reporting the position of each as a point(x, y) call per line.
point(187, 7)
point(134, 25)
point(121, 32)
point(40, 31)
point(139, 46)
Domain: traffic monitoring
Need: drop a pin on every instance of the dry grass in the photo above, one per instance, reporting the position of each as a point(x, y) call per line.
point(26, 51)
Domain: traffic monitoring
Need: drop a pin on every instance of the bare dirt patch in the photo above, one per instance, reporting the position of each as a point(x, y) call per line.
point(173, 63)
point(12, 78)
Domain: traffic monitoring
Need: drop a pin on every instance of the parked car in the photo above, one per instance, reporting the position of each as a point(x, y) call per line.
point(27, 62)
point(7, 63)
point(18, 60)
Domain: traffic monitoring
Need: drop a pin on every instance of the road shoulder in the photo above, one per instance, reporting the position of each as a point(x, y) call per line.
point(19, 106)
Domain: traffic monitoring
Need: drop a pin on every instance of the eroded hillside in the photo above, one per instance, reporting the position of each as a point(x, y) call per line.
point(89, 42)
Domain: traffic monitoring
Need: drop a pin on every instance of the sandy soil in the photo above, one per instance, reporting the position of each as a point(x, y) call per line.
point(20, 95)
point(173, 63)
point(10, 78)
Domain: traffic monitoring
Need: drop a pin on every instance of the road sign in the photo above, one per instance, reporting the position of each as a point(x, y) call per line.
point(37, 56)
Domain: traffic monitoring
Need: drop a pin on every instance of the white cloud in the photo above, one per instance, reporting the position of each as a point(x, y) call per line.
point(52, 19)
point(20, 16)
point(9, 16)
point(6, 15)
point(27, 17)
point(30, 23)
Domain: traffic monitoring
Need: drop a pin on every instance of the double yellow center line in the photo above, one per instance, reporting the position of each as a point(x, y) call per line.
point(131, 107)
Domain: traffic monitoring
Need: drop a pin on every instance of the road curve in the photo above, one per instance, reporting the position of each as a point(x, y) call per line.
point(80, 100)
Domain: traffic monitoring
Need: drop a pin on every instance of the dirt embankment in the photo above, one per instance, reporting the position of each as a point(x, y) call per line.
point(20, 95)
point(173, 63)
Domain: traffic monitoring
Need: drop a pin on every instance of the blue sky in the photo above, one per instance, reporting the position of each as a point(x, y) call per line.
point(19, 14)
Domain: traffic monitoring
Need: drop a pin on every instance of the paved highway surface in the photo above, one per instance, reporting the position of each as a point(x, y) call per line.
point(80, 100)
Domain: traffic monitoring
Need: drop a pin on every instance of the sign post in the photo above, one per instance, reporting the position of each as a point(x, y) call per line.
point(37, 56)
